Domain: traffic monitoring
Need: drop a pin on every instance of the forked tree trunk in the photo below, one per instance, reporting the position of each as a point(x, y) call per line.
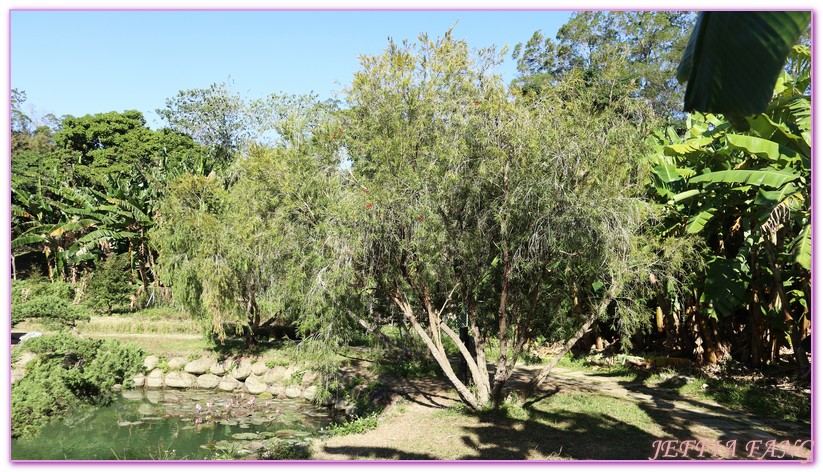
point(537, 380)
point(439, 354)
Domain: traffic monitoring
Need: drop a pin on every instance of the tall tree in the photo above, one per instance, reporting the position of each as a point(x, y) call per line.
point(95, 146)
point(509, 215)
point(245, 257)
point(215, 117)
point(648, 45)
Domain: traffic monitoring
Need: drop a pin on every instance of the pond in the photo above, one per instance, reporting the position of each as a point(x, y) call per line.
point(178, 425)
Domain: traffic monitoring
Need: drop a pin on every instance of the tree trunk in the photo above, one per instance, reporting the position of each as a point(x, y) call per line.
point(538, 378)
point(483, 385)
point(501, 371)
point(439, 354)
point(803, 369)
point(755, 352)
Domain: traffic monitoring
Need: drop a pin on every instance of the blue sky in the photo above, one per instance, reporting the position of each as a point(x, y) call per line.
point(79, 62)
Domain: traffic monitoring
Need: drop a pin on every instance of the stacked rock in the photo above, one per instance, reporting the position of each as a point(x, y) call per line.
point(228, 375)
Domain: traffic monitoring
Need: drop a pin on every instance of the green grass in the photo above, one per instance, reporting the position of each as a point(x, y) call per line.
point(357, 425)
point(167, 346)
point(619, 410)
point(570, 425)
point(750, 396)
point(746, 395)
point(153, 321)
point(600, 366)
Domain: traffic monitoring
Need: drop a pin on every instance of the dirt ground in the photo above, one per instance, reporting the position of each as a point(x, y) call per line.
point(421, 426)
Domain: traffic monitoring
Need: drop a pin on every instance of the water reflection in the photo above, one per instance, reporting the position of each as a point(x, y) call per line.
point(173, 425)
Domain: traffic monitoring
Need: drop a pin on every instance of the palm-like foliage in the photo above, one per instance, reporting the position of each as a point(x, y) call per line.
point(748, 196)
point(733, 59)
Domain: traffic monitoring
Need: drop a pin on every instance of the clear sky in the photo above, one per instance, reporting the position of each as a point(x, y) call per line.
point(79, 62)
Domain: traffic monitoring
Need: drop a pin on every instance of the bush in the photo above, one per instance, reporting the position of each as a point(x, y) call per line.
point(283, 450)
point(39, 286)
point(357, 425)
point(52, 310)
point(68, 373)
point(109, 287)
point(48, 301)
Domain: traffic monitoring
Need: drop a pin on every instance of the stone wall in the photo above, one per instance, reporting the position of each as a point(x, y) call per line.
point(245, 375)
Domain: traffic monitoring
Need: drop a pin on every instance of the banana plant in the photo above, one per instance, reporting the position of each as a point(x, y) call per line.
point(748, 195)
point(732, 60)
point(130, 204)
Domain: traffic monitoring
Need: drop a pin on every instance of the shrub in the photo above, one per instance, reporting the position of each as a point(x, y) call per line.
point(38, 286)
point(68, 373)
point(52, 302)
point(52, 310)
point(283, 450)
point(109, 287)
point(357, 425)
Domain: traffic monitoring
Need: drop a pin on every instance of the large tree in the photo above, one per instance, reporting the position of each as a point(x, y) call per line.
point(215, 117)
point(247, 256)
point(647, 46)
point(510, 215)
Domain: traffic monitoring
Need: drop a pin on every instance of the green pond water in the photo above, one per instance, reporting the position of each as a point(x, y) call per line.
point(176, 425)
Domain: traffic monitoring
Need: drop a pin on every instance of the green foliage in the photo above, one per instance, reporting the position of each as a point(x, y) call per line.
point(733, 59)
point(110, 287)
point(214, 117)
point(536, 195)
point(52, 310)
point(68, 373)
point(95, 146)
point(357, 425)
point(93, 191)
point(52, 303)
point(746, 196)
point(286, 451)
point(643, 47)
point(408, 369)
point(270, 228)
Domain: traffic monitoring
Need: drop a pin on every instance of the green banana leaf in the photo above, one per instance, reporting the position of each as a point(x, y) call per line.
point(768, 178)
point(27, 239)
point(758, 146)
point(733, 59)
point(804, 248)
point(770, 197)
point(699, 221)
point(726, 285)
point(686, 195)
point(669, 174)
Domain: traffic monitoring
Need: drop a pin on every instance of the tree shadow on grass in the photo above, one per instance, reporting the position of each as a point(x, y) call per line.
point(559, 435)
point(378, 453)
point(686, 418)
point(432, 392)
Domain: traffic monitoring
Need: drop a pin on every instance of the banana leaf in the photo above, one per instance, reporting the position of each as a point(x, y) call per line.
point(768, 178)
point(733, 59)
